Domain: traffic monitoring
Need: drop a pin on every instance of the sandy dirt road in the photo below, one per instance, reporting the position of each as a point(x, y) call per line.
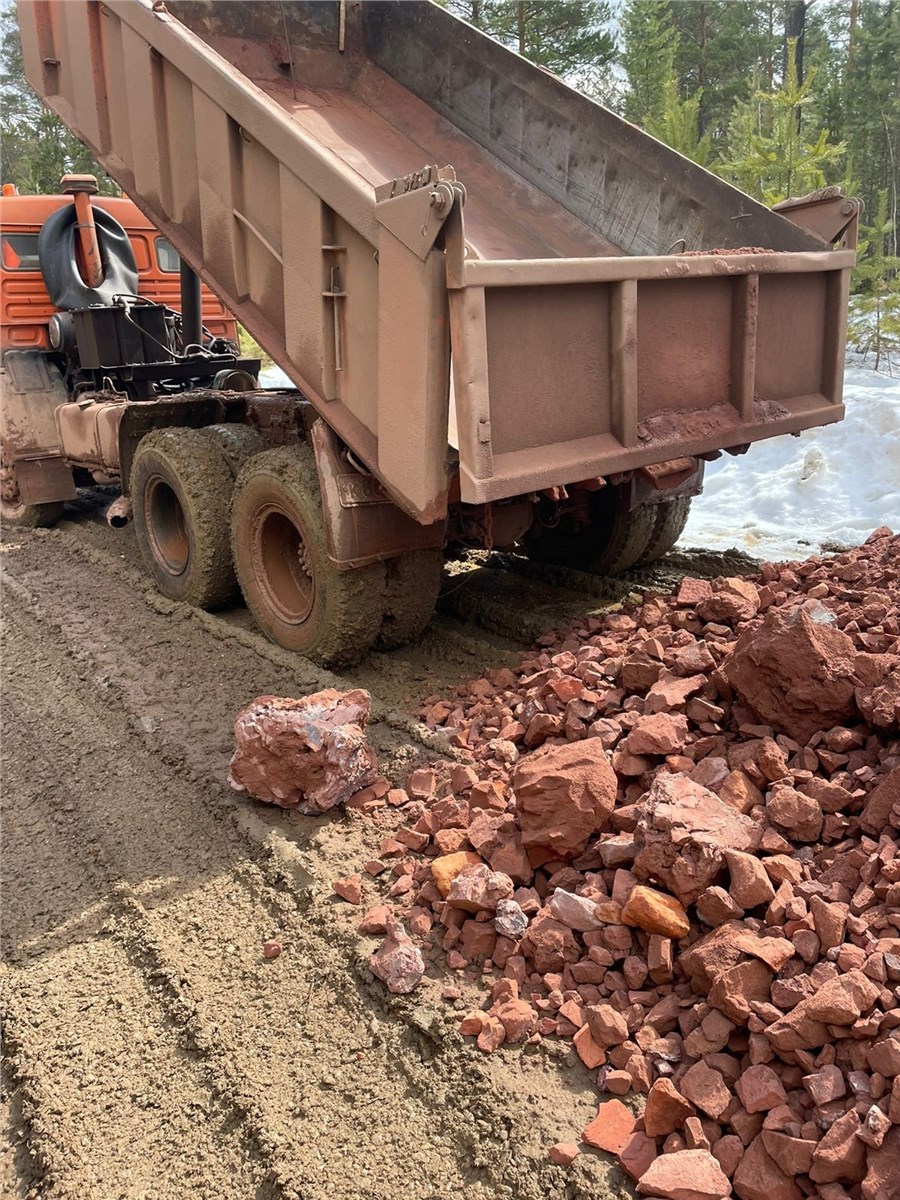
point(150, 1052)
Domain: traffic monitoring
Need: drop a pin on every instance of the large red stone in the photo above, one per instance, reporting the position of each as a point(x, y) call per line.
point(882, 798)
point(666, 1110)
point(759, 1177)
point(564, 795)
point(398, 961)
point(795, 670)
point(478, 888)
point(611, 1128)
point(842, 1000)
point(685, 1175)
point(549, 944)
point(840, 1156)
point(882, 1178)
point(682, 830)
point(879, 701)
point(726, 947)
point(309, 754)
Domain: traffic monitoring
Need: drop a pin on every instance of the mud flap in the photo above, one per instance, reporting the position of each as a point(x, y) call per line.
point(362, 524)
point(32, 391)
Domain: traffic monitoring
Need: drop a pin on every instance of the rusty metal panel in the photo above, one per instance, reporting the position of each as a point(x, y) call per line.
point(413, 377)
point(43, 480)
point(791, 336)
point(696, 353)
point(548, 364)
point(684, 344)
point(32, 391)
point(362, 525)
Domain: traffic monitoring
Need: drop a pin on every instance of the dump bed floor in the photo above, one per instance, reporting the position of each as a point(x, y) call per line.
point(382, 131)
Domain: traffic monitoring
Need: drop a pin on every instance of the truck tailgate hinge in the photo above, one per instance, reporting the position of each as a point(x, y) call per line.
point(414, 207)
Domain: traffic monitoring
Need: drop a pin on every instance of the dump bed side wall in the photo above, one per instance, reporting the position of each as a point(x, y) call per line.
point(635, 191)
point(285, 233)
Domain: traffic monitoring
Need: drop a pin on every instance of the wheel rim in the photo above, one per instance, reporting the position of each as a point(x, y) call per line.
point(281, 564)
point(167, 527)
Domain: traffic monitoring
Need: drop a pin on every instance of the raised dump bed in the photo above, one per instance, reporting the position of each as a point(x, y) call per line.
point(274, 143)
point(527, 319)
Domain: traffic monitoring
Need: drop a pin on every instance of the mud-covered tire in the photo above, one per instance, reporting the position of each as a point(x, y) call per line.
point(411, 586)
point(671, 518)
point(298, 597)
point(181, 492)
point(612, 543)
point(30, 516)
point(237, 443)
point(626, 540)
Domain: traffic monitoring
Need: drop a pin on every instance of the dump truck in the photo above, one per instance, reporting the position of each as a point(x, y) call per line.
point(511, 318)
point(54, 433)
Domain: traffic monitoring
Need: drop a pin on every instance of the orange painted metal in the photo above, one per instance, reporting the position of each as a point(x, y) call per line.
point(25, 307)
point(81, 188)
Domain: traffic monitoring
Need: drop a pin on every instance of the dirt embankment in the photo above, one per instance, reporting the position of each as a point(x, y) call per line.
point(150, 1049)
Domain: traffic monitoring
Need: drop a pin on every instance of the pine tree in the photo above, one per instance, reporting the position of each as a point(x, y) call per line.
point(871, 98)
point(768, 153)
point(679, 126)
point(875, 312)
point(37, 148)
point(572, 38)
point(648, 57)
point(721, 46)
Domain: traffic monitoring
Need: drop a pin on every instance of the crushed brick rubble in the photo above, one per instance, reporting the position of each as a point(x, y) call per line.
point(676, 844)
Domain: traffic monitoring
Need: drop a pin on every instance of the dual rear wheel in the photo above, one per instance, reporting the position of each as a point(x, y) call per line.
point(617, 538)
point(217, 512)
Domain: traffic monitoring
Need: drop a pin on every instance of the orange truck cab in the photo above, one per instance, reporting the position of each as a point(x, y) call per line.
point(105, 334)
point(25, 306)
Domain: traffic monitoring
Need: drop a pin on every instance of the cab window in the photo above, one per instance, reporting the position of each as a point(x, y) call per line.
point(19, 252)
point(141, 248)
point(167, 255)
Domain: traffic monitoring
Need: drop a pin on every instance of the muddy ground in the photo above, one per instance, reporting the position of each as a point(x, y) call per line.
point(150, 1052)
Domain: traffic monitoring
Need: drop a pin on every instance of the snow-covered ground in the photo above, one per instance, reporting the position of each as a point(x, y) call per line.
point(788, 497)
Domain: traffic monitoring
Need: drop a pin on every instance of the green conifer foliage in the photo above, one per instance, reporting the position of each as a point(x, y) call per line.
point(875, 312)
point(772, 155)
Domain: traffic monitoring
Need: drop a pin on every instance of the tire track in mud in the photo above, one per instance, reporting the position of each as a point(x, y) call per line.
point(115, 1099)
point(337, 1090)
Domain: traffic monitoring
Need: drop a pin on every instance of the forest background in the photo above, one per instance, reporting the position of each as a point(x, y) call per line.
point(780, 98)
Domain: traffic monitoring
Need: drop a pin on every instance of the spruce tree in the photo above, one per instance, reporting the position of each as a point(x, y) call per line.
point(769, 154)
point(37, 148)
point(679, 126)
point(648, 57)
point(875, 312)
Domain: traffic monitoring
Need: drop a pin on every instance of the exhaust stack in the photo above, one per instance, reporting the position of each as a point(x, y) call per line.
point(119, 512)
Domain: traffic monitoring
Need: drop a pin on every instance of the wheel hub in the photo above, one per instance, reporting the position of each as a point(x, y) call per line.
point(166, 526)
point(283, 565)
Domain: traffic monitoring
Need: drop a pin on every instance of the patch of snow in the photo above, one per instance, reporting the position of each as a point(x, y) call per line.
point(272, 376)
point(789, 497)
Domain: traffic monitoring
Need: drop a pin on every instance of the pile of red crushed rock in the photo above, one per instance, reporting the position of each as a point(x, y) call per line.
point(677, 845)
